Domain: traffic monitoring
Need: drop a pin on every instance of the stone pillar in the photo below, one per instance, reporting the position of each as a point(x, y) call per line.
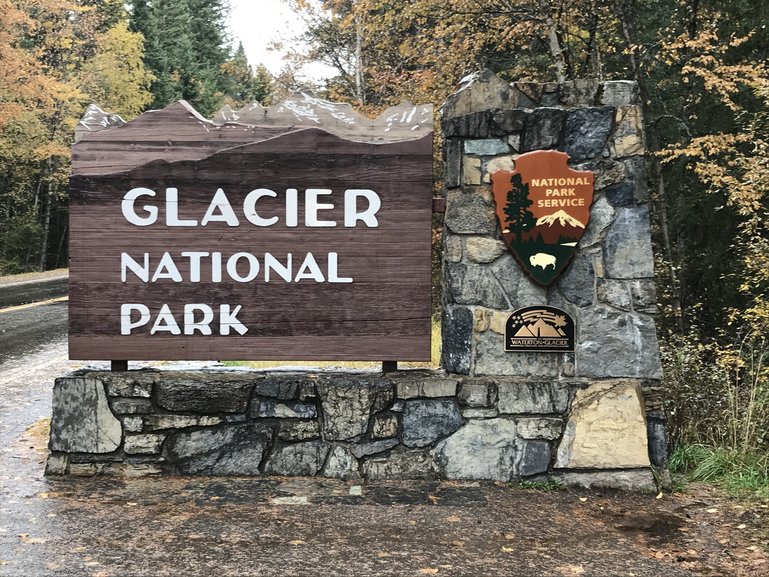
point(609, 287)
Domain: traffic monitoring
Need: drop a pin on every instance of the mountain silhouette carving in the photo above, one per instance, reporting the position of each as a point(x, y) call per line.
point(556, 228)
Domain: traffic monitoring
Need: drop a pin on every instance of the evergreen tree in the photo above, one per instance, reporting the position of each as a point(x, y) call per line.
point(519, 218)
point(241, 85)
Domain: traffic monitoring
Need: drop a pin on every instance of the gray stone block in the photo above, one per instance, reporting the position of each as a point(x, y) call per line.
point(81, 421)
point(372, 448)
point(426, 421)
point(525, 397)
point(133, 424)
point(613, 343)
point(473, 285)
point(131, 406)
point(482, 249)
point(298, 430)
point(486, 147)
point(627, 248)
point(615, 293)
point(270, 408)
point(518, 288)
point(477, 394)
point(191, 393)
point(577, 285)
point(143, 444)
point(619, 93)
point(298, 459)
point(535, 458)
point(130, 384)
point(57, 464)
point(491, 359)
point(430, 386)
point(635, 166)
point(587, 131)
point(544, 129)
point(504, 122)
point(482, 449)
point(601, 217)
point(341, 464)
point(658, 443)
point(546, 428)
point(480, 413)
point(644, 295)
point(640, 480)
point(606, 172)
point(347, 408)
point(579, 92)
point(473, 125)
point(159, 422)
point(484, 91)
point(468, 212)
point(457, 332)
point(230, 450)
point(401, 464)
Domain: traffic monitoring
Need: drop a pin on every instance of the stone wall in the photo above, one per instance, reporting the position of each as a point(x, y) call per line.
point(586, 418)
point(609, 287)
point(406, 425)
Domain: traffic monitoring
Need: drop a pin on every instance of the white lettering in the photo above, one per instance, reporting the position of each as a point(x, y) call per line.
point(129, 211)
point(221, 204)
point(126, 312)
point(368, 216)
point(333, 269)
point(165, 322)
point(249, 207)
point(312, 206)
point(232, 267)
point(195, 261)
point(127, 262)
point(271, 263)
point(167, 269)
point(309, 270)
point(191, 325)
point(172, 210)
point(228, 320)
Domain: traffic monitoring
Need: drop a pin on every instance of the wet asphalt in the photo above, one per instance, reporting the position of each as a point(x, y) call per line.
point(261, 527)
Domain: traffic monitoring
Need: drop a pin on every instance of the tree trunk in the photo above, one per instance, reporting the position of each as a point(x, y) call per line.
point(555, 45)
point(47, 218)
point(359, 59)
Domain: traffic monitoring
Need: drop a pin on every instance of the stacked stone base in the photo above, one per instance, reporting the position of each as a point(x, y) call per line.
point(355, 426)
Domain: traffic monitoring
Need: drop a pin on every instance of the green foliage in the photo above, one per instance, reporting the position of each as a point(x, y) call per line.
point(742, 474)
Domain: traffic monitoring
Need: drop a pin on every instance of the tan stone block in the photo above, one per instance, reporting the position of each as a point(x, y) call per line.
point(483, 249)
point(481, 319)
point(471, 169)
point(498, 163)
point(628, 135)
point(498, 321)
point(606, 429)
point(453, 250)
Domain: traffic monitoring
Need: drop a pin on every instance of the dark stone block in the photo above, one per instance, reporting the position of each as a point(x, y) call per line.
point(269, 408)
point(636, 168)
point(587, 130)
point(426, 421)
point(504, 122)
point(231, 450)
point(302, 459)
point(658, 444)
point(283, 387)
point(544, 129)
point(535, 458)
point(577, 285)
point(621, 194)
point(457, 332)
point(475, 125)
point(453, 153)
point(184, 393)
point(473, 285)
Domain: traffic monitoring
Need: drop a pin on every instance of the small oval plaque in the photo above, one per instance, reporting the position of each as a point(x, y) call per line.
point(539, 329)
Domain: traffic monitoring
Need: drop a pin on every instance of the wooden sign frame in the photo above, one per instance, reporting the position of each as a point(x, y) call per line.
point(192, 240)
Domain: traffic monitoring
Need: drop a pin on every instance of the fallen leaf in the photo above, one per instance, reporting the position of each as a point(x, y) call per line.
point(43, 495)
point(78, 550)
point(576, 569)
point(583, 499)
point(297, 542)
point(453, 519)
point(25, 538)
point(3, 562)
point(509, 536)
point(428, 571)
point(660, 495)
point(458, 543)
point(507, 549)
point(434, 499)
point(712, 511)
point(383, 554)
point(741, 526)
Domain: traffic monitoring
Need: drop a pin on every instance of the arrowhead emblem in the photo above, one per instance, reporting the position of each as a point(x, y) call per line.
point(543, 208)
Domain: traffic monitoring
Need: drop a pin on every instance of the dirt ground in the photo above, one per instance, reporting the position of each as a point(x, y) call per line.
point(108, 527)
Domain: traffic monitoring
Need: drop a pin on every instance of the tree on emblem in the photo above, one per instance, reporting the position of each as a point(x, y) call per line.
point(519, 218)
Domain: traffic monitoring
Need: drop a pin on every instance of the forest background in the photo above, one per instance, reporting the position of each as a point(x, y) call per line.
point(701, 67)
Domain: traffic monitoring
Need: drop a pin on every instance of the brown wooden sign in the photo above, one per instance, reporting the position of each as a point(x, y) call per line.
point(543, 208)
point(195, 240)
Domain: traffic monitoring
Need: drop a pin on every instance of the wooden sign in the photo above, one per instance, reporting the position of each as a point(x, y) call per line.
point(543, 208)
point(196, 240)
point(539, 329)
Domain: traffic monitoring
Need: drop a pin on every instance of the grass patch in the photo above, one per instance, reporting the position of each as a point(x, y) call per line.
point(551, 485)
point(435, 360)
point(741, 473)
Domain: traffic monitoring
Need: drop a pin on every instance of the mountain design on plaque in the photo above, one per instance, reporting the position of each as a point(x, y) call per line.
point(543, 208)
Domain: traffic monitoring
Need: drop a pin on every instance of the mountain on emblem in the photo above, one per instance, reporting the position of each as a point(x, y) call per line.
point(543, 208)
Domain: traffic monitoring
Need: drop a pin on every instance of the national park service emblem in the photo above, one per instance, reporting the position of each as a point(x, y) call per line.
point(543, 207)
point(539, 329)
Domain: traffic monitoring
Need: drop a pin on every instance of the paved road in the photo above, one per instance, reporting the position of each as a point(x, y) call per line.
point(28, 329)
point(19, 293)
